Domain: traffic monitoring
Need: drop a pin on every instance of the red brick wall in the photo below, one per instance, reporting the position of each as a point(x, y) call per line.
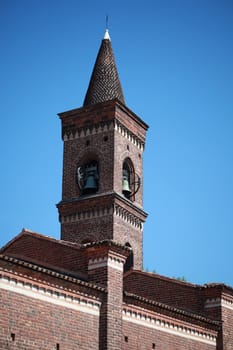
point(40, 325)
point(143, 338)
point(227, 329)
point(110, 275)
point(111, 313)
point(109, 147)
point(94, 229)
point(126, 233)
point(165, 290)
point(110, 152)
point(124, 148)
point(76, 152)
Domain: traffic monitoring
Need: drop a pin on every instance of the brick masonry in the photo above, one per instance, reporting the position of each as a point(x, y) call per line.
point(29, 323)
point(108, 133)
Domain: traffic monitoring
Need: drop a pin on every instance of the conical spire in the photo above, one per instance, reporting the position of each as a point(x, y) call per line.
point(104, 83)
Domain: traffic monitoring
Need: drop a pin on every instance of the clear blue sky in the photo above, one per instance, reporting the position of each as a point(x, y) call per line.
point(175, 61)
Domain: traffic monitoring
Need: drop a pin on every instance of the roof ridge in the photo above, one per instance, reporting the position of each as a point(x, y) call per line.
point(165, 278)
point(40, 236)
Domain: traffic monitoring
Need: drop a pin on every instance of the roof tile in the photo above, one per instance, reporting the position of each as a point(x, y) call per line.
point(104, 83)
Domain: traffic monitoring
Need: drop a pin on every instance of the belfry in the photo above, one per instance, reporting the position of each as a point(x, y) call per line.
point(103, 164)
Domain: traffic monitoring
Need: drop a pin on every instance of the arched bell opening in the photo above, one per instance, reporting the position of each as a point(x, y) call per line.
point(131, 181)
point(127, 178)
point(130, 260)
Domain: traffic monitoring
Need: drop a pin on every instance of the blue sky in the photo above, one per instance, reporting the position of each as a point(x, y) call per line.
point(174, 58)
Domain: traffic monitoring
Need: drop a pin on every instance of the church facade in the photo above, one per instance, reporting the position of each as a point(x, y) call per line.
point(88, 290)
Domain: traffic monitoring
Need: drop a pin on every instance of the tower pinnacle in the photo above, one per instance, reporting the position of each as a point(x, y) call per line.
point(106, 35)
point(104, 84)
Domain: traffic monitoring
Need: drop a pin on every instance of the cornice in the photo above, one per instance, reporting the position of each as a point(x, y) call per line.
point(169, 325)
point(127, 216)
point(12, 282)
point(114, 205)
point(46, 271)
point(73, 132)
point(223, 301)
point(116, 263)
point(102, 106)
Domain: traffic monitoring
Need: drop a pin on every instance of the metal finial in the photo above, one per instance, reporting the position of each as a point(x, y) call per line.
point(106, 35)
point(106, 22)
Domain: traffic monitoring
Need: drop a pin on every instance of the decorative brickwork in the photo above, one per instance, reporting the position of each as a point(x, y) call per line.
point(47, 294)
point(104, 84)
point(71, 134)
point(218, 302)
point(222, 307)
point(169, 326)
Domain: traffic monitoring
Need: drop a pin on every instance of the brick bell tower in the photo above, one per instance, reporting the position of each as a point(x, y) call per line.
point(102, 164)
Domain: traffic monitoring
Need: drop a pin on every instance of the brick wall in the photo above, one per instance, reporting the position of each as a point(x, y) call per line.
point(219, 305)
point(108, 133)
point(78, 151)
point(143, 338)
point(125, 148)
point(227, 327)
point(106, 268)
point(165, 290)
point(29, 324)
point(126, 233)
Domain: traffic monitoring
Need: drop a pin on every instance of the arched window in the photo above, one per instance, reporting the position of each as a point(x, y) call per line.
point(131, 181)
point(127, 178)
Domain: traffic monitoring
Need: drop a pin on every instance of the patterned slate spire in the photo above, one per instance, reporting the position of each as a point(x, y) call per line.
point(104, 83)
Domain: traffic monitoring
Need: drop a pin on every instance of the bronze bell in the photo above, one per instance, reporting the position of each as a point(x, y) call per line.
point(125, 184)
point(90, 185)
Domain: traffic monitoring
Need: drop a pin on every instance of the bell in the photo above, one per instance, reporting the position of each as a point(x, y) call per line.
point(125, 186)
point(90, 184)
point(90, 181)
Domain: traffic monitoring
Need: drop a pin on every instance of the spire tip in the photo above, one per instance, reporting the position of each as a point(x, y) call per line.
point(106, 34)
point(106, 22)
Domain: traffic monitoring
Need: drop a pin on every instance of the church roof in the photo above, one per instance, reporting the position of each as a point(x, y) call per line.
point(104, 84)
point(172, 292)
point(48, 252)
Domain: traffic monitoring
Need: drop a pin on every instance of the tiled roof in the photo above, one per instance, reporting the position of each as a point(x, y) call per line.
point(41, 274)
point(176, 310)
point(104, 83)
point(107, 243)
point(172, 292)
point(49, 252)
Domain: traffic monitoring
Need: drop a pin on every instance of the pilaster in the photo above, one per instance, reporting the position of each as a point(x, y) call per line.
point(105, 266)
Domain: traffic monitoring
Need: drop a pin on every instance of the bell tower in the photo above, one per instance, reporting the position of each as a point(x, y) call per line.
point(102, 164)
